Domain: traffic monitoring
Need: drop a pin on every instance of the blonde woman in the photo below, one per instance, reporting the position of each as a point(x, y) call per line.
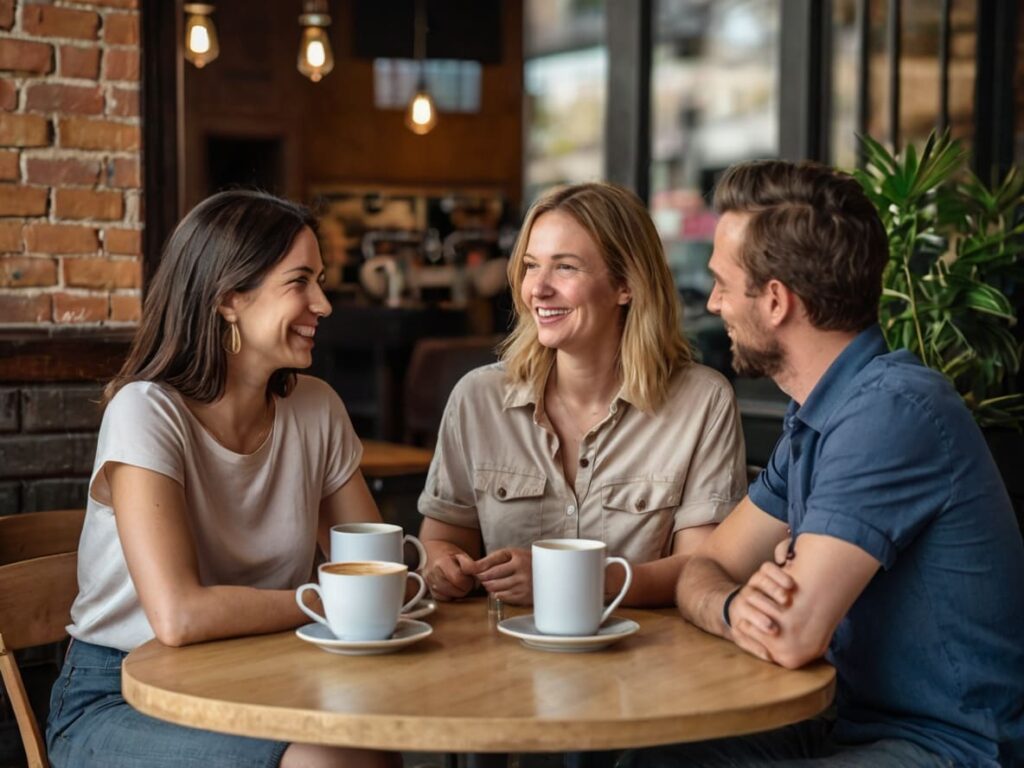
point(596, 423)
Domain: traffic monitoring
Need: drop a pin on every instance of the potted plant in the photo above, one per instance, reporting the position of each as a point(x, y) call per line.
point(955, 250)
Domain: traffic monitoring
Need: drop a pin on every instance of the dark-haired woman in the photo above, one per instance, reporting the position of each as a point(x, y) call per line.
point(217, 470)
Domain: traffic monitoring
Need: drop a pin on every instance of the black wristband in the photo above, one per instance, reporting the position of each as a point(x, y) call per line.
point(727, 603)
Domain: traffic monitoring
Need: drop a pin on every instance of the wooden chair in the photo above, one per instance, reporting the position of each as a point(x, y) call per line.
point(38, 583)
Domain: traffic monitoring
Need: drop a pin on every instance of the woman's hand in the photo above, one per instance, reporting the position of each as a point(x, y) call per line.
point(507, 574)
point(446, 576)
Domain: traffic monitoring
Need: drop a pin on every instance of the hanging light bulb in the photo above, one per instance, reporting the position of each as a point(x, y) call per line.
point(421, 114)
point(200, 34)
point(315, 56)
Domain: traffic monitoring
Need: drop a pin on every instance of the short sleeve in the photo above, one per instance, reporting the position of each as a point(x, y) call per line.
point(141, 427)
point(449, 495)
point(882, 473)
point(769, 491)
point(344, 449)
point(717, 471)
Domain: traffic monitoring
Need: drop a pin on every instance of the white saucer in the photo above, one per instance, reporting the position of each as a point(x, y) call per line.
point(523, 628)
point(424, 607)
point(406, 633)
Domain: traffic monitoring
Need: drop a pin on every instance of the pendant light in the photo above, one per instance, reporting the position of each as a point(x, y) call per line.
point(315, 56)
point(421, 114)
point(200, 34)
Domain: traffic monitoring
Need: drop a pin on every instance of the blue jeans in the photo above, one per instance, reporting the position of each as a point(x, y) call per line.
point(92, 726)
point(804, 745)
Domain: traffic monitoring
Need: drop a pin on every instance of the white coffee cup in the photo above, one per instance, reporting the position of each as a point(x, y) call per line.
point(568, 586)
point(362, 600)
point(372, 541)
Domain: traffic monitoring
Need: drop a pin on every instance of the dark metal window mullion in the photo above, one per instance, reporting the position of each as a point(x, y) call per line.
point(895, 31)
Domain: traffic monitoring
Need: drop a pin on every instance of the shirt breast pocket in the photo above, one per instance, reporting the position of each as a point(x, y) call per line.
point(639, 515)
point(509, 506)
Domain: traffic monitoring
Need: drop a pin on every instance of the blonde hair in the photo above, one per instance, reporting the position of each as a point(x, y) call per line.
point(653, 346)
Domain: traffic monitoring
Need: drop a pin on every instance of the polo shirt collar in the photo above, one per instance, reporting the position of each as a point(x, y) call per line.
point(830, 391)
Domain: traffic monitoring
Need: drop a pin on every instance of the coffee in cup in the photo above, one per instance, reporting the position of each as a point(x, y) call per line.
point(362, 600)
point(568, 586)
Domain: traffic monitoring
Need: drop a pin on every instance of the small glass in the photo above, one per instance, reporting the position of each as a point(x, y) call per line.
point(495, 610)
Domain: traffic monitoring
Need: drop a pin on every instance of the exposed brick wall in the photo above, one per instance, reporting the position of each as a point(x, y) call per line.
point(70, 178)
point(51, 385)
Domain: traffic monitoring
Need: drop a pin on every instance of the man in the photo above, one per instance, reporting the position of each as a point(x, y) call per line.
point(880, 534)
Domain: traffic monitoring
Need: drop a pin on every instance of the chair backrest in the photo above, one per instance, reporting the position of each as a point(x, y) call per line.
point(35, 601)
point(434, 369)
point(35, 534)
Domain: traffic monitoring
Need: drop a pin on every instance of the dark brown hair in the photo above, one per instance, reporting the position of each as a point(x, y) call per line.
point(813, 229)
point(228, 243)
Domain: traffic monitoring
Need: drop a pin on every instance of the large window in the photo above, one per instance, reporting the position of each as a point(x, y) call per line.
point(566, 85)
point(714, 88)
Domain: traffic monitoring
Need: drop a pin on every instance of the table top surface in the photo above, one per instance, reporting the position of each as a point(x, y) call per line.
point(468, 688)
point(381, 459)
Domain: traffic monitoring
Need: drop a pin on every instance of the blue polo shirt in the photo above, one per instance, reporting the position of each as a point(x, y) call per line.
point(884, 454)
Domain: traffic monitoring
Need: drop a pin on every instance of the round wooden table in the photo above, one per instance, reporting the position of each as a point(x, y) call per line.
point(468, 688)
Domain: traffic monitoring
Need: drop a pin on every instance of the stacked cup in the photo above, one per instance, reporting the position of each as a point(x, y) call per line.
point(363, 586)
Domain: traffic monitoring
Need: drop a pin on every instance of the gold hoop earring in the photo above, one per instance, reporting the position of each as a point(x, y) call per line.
point(232, 339)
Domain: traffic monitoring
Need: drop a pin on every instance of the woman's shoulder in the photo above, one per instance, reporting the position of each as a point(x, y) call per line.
point(137, 399)
point(694, 380)
point(485, 381)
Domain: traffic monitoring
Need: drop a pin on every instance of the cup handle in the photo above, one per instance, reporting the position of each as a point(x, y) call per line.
point(419, 593)
point(625, 585)
point(420, 551)
point(305, 608)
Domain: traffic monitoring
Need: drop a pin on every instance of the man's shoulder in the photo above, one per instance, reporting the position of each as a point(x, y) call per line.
point(897, 391)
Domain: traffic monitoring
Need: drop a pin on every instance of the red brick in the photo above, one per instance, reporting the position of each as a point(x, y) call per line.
point(121, 65)
point(25, 56)
point(125, 308)
point(58, 171)
point(8, 94)
point(123, 241)
point(121, 29)
point(19, 200)
point(9, 170)
point(102, 273)
point(6, 14)
point(49, 21)
point(74, 99)
point(60, 238)
point(123, 102)
point(124, 173)
point(88, 204)
point(24, 130)
point(79, 308)
point(117, 3)
point(21, 272)
point(18, 308)
point(10, 236)
point(76, 61)
point(96, 134)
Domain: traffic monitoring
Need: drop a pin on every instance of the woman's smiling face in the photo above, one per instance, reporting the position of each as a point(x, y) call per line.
point(567, 286)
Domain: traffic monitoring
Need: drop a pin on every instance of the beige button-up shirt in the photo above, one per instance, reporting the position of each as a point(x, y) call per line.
point(640, 477)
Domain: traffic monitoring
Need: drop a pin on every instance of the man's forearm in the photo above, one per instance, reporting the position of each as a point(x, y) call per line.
point(701, 592)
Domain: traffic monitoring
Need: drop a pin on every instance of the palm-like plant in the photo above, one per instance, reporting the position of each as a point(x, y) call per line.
point(954, 255)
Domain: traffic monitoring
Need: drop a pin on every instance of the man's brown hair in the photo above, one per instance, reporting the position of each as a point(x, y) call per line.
point(813, 229)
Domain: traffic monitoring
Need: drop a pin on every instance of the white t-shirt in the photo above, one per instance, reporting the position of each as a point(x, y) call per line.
point(253, 517)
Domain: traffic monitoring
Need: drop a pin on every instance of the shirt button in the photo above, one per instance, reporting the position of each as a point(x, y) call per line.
point(584, 462)
point(613, 408)
point(641, 505)
point(502, 493)
point(570, 510)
